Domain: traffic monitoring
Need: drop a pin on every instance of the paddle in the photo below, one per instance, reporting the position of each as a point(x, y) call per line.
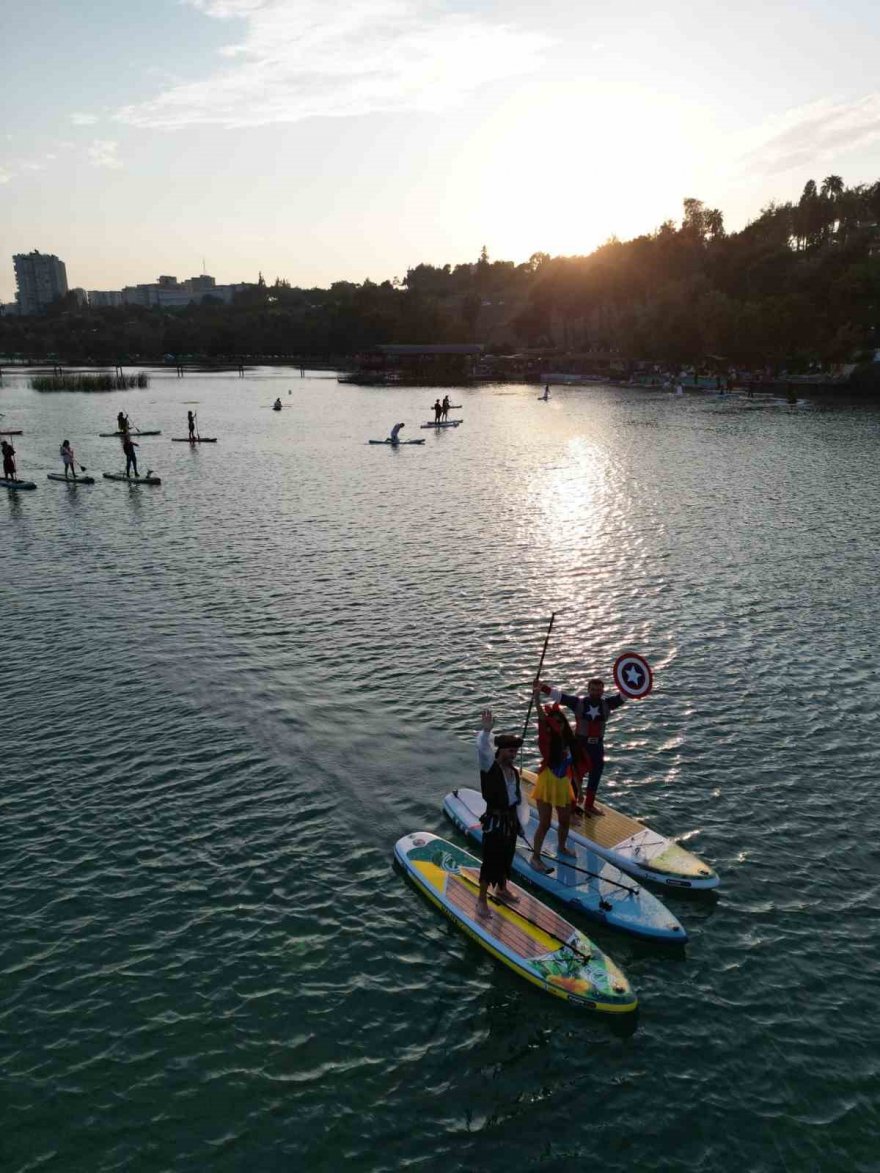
point(556, 858)
point(537, 676)
point(515, 909)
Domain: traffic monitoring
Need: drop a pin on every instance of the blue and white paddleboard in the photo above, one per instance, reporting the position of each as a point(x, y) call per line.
point(586, 882)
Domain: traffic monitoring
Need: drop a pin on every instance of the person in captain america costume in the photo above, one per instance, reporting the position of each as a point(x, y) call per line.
point(591, 714)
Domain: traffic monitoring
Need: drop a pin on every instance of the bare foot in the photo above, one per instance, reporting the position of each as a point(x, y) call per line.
point(539, 866)
point(507, 896)
point(566, 851)
point(483, 909)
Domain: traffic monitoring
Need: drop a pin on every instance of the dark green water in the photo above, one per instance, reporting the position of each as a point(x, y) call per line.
point(225, 698)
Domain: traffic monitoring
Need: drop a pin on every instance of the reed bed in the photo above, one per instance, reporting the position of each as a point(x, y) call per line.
point(75, 382)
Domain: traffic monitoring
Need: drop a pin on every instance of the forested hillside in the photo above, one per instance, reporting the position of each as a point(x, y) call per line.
point(799, 286)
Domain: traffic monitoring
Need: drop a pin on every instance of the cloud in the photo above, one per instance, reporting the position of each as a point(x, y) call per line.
point(815, 133)
point(302, 59)
point(102, 153)
point(79, 119)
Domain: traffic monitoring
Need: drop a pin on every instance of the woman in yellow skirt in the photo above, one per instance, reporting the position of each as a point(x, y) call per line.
point(560, 763)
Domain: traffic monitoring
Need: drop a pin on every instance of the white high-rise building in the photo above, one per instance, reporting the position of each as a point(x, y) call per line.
point(41, 279)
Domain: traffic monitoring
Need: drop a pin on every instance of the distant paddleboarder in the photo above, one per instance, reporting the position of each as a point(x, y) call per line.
point(191, 424)
point(128, 447)
point(546, 394)
point(276, 406)
point(445, 412)
point(394, 432)
point(122, 422)
point(438, 411)
point(68, 458)
point(8, 461)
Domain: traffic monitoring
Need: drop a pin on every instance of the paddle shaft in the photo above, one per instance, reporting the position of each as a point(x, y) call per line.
point(537, 676)
point(556, 859)
point(513, 908)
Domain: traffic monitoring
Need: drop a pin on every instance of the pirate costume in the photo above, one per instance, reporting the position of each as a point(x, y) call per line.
point(501, 792)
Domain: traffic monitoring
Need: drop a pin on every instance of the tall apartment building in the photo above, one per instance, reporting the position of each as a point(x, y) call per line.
point(41, 279)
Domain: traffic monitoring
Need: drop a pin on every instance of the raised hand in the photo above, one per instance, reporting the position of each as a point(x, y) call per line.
point(487, 719)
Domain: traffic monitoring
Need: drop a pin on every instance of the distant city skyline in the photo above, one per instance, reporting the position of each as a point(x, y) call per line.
point(343, 141)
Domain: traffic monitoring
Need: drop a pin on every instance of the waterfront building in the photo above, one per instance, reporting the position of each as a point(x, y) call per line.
point(40, 279)
point(169, 293)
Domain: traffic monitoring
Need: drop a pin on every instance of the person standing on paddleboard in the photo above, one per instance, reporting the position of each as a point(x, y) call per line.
point(438, 411)
point(66, 453)
point(122, 423)
point(444, 414)
point(563, 765)
point(128, 447)
point(591, 713)
point(394, 432)
point(8, 461)
point(191, 424)
point(499, 784)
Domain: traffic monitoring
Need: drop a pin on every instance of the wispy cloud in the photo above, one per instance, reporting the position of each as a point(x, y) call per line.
point(814, 134)
point(304, 58)
point(80, 119)
point(102, 153)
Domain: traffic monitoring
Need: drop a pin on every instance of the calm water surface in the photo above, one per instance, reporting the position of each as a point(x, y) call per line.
point(225, 698)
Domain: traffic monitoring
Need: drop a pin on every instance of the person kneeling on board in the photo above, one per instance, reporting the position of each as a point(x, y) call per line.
point(128, 447)
point(563, 765)
point(394, 432)
point(591, 713)
point(8, 461)
point(499, 784)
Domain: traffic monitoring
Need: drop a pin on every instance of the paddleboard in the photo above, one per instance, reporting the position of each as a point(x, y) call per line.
point(446, 424)
point(105, 435)
point(16, 432)
point(16, 484)
point(587, 882)
point(635, 848)
point(195, 440)
point(59, 476)
point(120, 476)
point(397, 445)
point(530, 938)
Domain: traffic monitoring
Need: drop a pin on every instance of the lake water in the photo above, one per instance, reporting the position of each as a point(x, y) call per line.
point(225, 698)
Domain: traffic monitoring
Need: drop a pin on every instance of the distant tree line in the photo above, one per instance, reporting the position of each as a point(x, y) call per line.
point(797, 287)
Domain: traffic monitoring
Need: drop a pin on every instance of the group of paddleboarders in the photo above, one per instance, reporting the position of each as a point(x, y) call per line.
point(567, 757)
point(441, 410)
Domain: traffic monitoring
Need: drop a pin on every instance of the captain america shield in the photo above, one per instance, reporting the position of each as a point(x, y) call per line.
point(633, 676)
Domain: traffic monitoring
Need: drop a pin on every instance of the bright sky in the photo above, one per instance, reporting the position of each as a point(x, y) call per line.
point(349, 139)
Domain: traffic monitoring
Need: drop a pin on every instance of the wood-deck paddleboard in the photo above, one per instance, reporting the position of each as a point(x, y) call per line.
point(530, 938)
point(587, 882)
point(4, 483)
point(635, 848)
point(120, 476)
point(59, 476)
